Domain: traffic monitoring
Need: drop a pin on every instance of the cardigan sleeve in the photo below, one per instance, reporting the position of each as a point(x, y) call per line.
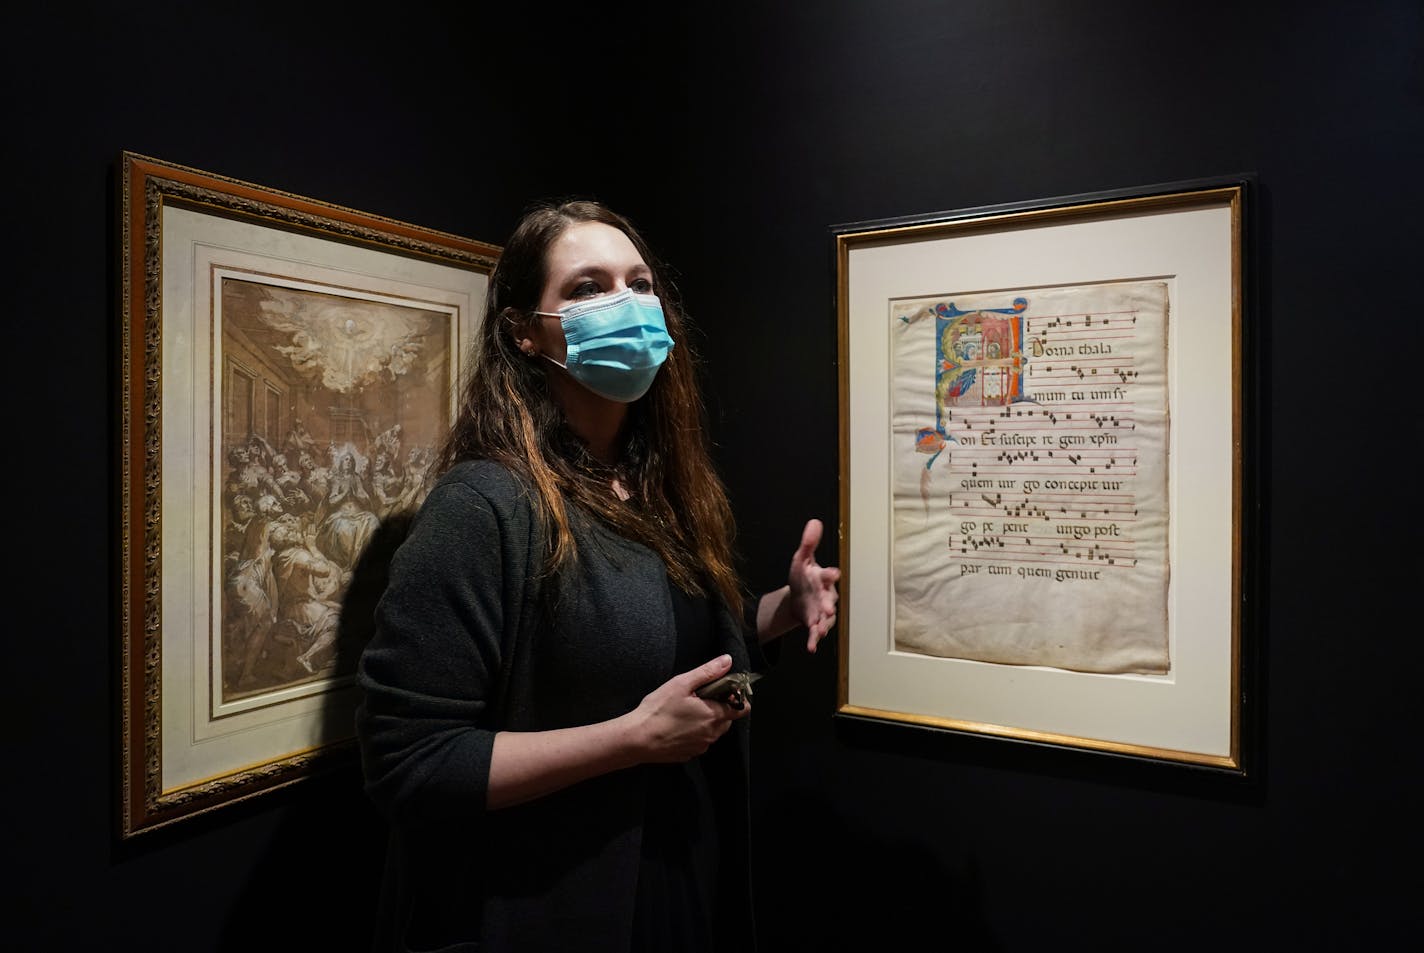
point(429, 675)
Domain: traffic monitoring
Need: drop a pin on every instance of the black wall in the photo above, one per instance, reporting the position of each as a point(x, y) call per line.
point(737, 134)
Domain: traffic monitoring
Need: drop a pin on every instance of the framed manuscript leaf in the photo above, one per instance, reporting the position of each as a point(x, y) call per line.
point(1044, 482)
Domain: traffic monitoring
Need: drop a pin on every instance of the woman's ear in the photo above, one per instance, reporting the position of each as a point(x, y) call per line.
point(518, 329)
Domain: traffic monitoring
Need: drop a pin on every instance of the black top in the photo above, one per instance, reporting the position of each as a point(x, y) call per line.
point(468, 643)
point(677, 876)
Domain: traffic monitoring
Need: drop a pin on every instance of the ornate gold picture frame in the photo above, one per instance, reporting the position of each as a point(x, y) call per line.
point(287, 368)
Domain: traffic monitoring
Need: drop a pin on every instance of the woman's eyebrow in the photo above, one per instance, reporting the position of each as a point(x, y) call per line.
point(585, 269)
point(592, 270)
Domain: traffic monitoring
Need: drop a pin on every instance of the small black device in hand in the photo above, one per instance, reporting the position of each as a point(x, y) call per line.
point(734, 688)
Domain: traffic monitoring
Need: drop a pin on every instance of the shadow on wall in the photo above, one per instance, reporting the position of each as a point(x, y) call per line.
point(316, 887)
point(824, 884)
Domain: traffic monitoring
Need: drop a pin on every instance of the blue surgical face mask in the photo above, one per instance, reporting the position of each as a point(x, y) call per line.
point(616, 343)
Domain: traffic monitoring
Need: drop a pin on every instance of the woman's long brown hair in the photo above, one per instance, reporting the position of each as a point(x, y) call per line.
point(679, 506)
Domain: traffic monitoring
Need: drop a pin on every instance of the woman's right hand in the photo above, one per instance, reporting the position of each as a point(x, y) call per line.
point(674, 725)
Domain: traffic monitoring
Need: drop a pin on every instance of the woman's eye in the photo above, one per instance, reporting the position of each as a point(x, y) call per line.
point(642, 286)
point(586, 289)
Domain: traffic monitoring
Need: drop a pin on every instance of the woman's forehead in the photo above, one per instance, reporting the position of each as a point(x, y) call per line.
point(593, 245)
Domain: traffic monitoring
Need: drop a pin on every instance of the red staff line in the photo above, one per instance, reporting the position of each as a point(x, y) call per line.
point(1068, 373)
point(1052, 510)
point(1040, 522)
point(1114, 498)
point(1048, 424)
point(1048, 545)
point(1020, 552)
point(1043, 411)
point(1105, 330)
point(1014, 426)
point(969, 413)
point(1050, 516)
point(1059, 455)
point(988, 456)
point(974, 557)
point(1088, 425)
point(1125, 515)
point(1033, 471)
point(1081, 314)
point(1040, 467)
point(1016, 463)
point(1029, 427)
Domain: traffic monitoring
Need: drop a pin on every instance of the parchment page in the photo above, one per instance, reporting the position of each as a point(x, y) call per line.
point(1030, 435)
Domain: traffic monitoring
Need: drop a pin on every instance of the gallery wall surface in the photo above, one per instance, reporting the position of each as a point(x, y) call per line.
point(737, 136)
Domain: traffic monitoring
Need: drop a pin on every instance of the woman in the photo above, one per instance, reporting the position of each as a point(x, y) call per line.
point(529, 723)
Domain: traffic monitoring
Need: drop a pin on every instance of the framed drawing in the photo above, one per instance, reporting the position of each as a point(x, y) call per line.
point(1045, 430)
point(287, 370)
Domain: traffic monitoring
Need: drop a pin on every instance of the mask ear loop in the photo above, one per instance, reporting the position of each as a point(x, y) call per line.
point(526, 346)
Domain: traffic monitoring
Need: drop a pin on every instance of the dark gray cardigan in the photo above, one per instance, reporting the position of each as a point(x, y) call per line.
point(464, 647)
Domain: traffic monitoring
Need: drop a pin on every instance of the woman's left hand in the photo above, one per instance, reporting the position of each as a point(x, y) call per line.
point(813, 594)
